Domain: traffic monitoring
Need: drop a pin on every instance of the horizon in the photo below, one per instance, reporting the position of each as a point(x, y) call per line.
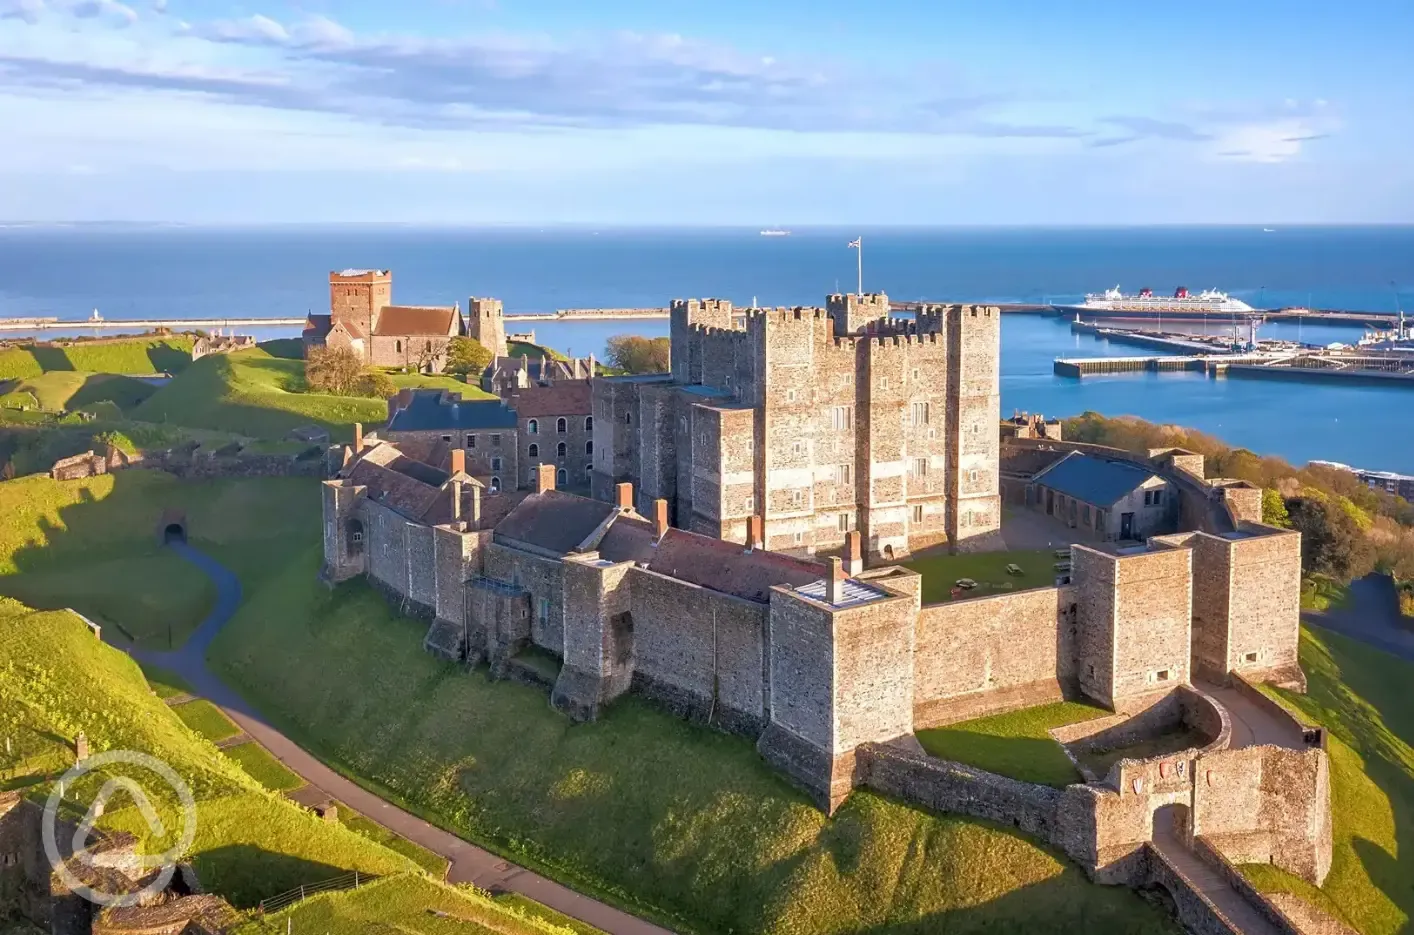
point(630, 113)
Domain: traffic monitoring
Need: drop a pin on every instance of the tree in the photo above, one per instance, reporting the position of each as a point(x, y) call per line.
point(467, 357)
point(333, 370)
point(1331, 542)
point(1274, 509)
point(633, 353)
point(375, 383)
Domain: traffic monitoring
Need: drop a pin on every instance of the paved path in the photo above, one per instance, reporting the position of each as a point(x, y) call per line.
point(1213, 886)
point(469, 863)
point(1253, 725)
point(1372, 617)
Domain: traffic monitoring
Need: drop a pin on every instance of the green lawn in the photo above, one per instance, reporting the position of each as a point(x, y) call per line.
point(92, 544)
point(77, 389)
point(411, 905)
point(685, 824)
point(206, 719)
point(263, 767)
point(439, 381)
point(432, 863)
point(1014, 744)
point(1321, 593)
point(1362, 697)
point(165, 684)
point(255, 394)
point(989, 569)
point(57, 680)
point(137, 355)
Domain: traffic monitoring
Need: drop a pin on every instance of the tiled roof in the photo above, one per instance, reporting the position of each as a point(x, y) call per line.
point(354, 329)
point(555, 521)
point(1093, 480)
point(728, 567)
point(568, 398)
point(393, 489)
point(629, 539)
point(431, 411)
point(417, 320)
point(317, 327)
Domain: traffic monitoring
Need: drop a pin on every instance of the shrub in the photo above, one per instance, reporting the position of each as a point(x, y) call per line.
point(334, 370)
point(467, 356)
point(632, 353)
point(375, 383)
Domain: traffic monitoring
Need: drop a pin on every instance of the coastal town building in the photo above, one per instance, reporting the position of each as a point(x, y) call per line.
point(820, 421)
point(363, 320)
point(505, 376)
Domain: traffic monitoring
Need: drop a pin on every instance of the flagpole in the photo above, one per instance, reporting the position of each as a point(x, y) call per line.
point(860, 259)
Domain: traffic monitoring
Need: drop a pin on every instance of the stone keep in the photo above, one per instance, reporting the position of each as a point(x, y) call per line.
point(485, 321)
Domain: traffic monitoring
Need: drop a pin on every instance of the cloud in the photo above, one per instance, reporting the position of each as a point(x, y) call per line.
point(1139, 128)
point(111, 10)
point(26, 11)
point(255, 29)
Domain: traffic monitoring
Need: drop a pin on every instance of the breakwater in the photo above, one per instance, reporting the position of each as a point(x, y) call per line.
point(1302, 365)
point(143, 324)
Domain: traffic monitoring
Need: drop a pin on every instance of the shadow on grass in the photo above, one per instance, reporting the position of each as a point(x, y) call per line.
point(246, 874)
point(168, 359)
point(51, 358)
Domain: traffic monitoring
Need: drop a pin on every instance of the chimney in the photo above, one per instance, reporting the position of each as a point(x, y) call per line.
point(475, 518)
point(456, 501)
point(458, 465)
point(755, 535)
point(623, 496)
point(358, 437)
point(853, 553)
point(544, 478)
point(834, 581)
point(660, 518)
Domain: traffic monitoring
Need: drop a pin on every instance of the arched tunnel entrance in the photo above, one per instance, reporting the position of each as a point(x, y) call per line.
point(172, 526)
point(173, 533)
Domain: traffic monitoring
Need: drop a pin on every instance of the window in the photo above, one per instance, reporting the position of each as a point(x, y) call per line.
point(495, 486)
point(531, 474)
point(495, 464)
point(920, 467)
point(628, 418)
point(918, 513)
point(797, 448)
point(843, 521)
point(561, 426)
point(562, 476)
point(799, 538)
point(544, 610)
point(532, 427)
point(357, 536)
point(840, 418)
point(589, 423)
point(471, 441)
point(750, 505)
point(398, 346)
point(702, 439)
point(533, 451)
point(967, 518)
point(883, 383)
point(1148, 498)
point(1158, 497)
point(972, 476)
point(790, 396)
point(429, 347)
point(797, 498)
point(589, 447)
point(920, 413)
point(1249, 657)
point(447, 439)
point(751, 446)
point(1086, 514)
point(495, 441)
point(1162, 675)
point(560, 450)
point(843, 473)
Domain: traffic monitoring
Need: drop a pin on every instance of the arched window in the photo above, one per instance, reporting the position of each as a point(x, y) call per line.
point(429, 346)
point(589, 447)
point(560, 450)
point(495, 485)
point(399, 346)
point(561, 426)
point(589, 423)
point(532, 427)
point(562, 476)
point(534, 451)
point(628, 418)
point(588, 471)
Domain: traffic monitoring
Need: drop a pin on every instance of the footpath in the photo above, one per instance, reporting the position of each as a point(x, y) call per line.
point(469, 863)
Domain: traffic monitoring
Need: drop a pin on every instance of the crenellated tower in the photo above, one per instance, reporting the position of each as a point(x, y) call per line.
point(486, 323)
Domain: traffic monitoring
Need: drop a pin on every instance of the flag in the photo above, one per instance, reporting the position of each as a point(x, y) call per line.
point(856, 242)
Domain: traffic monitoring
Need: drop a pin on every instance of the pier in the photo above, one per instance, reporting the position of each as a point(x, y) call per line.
point(1340, 366)
point(143, 324)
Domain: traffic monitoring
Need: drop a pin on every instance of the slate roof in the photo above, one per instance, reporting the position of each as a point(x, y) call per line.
point(727, 566)
point(393, 489)
point(629, 539)
point(1027, 461)
point(431, 410)
point(554, 520)
point(417, 320)
point(568, 398)
point(316, 328)
point(1093, 480)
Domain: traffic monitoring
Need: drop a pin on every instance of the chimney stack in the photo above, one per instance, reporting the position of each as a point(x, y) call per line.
point(755, 536)
point(358, 437)
point(456, 488)
point(544, 478)
point(853, 553)
point(458, 465)
point(660, 518)
point(475, 518)
point(623, 496)
point(834, 581)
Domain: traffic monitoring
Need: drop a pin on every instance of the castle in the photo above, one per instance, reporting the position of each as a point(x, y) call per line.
point(697, 576)
point(819, 421)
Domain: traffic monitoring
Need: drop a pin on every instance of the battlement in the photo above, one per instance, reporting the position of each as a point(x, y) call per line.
point(484, 308)
point(359, 275)
point(851, 312)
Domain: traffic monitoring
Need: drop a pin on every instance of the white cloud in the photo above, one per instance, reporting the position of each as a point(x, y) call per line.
point(1264, 142)
point(26, 11)
point(252, 29)
point(109, 10)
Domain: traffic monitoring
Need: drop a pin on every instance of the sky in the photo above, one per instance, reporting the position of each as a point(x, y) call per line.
point(753, 112)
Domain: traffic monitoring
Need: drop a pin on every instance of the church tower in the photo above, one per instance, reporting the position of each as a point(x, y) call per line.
point(487, 324)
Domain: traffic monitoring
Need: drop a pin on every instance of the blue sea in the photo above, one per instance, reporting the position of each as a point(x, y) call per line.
point(282, 272)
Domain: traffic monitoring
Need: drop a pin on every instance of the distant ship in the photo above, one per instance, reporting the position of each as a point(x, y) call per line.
point(775, 233)
point(1145, 306)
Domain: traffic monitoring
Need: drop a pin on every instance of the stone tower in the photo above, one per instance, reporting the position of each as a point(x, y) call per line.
point(974, 410)
point(853, 313)
point(357, 295)
point(685, 313)
point(486, 323)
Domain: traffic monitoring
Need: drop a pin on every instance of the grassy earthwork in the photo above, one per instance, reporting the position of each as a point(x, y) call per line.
point(263, 767)
point(941, 572)
point(669, 820)
point(136, 356)
point(74, 390)
point(439, 381)
point(1014, 744)
point(1362, 697)
point(207, 720)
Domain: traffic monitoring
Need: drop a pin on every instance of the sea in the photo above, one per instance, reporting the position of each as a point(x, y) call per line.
point(280, 272)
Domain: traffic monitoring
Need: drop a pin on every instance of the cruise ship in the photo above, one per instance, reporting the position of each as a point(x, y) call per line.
point(1145, 306)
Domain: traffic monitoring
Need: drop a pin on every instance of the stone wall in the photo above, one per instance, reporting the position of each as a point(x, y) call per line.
point(543, 579)
point(699, 652)
point(599, 638)
point(992, 654)
point(1215, 859)
point(1198, 915)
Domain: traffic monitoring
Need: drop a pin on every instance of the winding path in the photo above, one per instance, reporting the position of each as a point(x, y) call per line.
point(1372, 617)
point(469, 863)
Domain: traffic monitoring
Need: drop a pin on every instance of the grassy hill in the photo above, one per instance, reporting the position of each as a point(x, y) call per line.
point(135, 355)
point(1362, 697)
point(57, 680)
point(663, 817)
point(92, 544)
point(75, 390)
